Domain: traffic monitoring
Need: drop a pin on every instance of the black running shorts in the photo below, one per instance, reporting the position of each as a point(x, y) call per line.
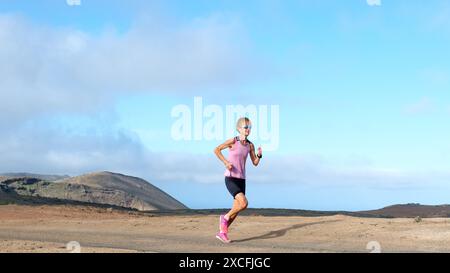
point(235, 185)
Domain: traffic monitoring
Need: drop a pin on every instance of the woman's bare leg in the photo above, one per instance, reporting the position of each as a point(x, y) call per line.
point(240, 203)
point(235, 205)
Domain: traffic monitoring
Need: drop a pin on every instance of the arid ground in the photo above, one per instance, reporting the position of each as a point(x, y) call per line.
point(49, 229)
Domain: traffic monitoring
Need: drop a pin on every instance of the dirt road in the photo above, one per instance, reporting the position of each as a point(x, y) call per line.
point(50, 228)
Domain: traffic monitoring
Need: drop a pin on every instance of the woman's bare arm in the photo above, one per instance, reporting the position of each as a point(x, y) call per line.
point(223, 146)
point(255, 159)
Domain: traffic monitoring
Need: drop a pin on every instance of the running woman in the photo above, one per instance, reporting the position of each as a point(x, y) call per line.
point(239, 147)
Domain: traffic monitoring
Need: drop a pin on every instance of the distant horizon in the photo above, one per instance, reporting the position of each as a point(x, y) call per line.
point(223, 208)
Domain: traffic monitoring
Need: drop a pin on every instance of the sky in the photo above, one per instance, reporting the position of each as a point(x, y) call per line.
point(350, 99)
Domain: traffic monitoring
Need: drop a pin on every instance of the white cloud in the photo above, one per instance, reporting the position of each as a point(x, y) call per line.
point(73, 2)
point(373, 2)
point(61, 151)
point(48, 69)
point(422, 106)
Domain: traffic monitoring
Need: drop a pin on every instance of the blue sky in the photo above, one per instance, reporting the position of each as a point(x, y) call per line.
point(362, 92)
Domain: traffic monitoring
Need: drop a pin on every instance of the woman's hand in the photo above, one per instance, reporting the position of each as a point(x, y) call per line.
point(256, 157)
point(259, 151)
point(228, 165)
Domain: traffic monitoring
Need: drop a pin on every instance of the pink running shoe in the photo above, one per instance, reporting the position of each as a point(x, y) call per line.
point(223, 237)
point(223, 224)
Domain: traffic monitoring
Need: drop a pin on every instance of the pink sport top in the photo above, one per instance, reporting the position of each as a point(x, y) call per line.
point(237, 156)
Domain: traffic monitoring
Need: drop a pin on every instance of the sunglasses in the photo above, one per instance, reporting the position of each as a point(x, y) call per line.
point(246, 127)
